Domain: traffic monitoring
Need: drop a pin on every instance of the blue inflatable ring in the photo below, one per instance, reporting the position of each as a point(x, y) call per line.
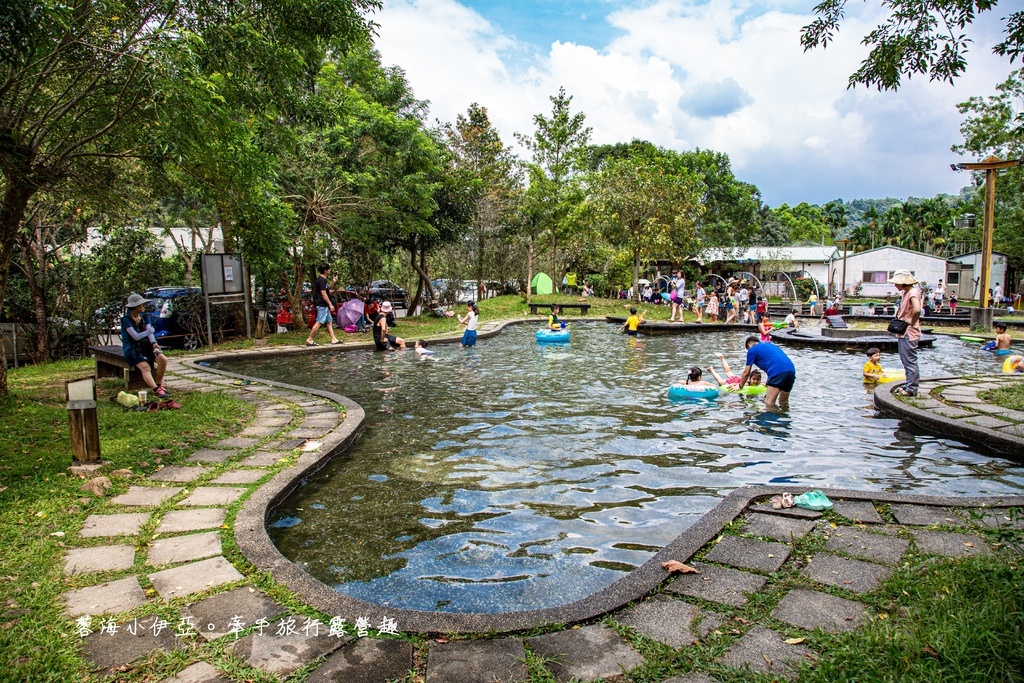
point(552, 336)
point(680, 391)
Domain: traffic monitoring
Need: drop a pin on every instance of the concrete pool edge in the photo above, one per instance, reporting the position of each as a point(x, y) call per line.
point(255, 545)
point(928, 417)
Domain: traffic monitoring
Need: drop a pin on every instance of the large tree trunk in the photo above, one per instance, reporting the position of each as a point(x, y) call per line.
point(33, 254)
point(480, 268)
point(415, 302)
point(556, 282)
point(424, 273)
point(19, 190)
point(529, 271)
point(636, 276)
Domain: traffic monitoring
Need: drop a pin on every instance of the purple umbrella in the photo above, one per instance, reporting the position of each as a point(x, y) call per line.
point(350, 312)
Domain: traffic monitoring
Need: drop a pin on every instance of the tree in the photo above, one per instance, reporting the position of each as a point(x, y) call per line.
point(477, 148)
point(82, 82)
point(995, 126)
point(558, 145)
point(918, 37)
point(804, 223)
point(645, 207)
point(835, 216)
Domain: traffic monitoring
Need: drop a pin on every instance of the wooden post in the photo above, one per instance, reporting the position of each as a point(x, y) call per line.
point(990, 166)
point(845, 243)
point(82, 418)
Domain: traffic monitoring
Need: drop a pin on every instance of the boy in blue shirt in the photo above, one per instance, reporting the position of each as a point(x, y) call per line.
point(776, 365)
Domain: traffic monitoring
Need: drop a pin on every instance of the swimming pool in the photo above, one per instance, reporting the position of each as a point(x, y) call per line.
point(518, 476)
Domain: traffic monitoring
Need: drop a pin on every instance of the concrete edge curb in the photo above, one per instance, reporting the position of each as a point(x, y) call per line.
point(254, 542)
point(1003, 443)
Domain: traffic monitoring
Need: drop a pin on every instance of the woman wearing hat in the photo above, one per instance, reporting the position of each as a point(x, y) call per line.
point(909, 311)
point(383, 340)
point(139, 345)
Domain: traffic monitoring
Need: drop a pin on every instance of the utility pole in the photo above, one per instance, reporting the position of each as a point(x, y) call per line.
point(989, 166)
point(844, 243)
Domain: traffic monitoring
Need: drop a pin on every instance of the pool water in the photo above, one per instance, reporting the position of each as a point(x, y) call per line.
point(519, 476)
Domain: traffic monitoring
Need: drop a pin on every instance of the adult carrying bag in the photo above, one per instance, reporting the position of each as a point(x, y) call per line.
point(897, 326)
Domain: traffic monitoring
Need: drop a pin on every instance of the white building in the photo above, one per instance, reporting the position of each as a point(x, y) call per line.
point(172, 240)
point(816, 262)
point(870, 270)
point(969, 279)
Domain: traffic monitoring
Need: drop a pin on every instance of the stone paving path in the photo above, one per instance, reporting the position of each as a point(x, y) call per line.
point(952, 406)
point(154, 579)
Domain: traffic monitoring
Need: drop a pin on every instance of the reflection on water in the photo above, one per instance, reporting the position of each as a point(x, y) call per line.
point(516, 476)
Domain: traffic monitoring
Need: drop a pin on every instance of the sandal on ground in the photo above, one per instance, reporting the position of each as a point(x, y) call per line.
point(161, 392)
point(153, 407)
point(336, 341)
point(170, 404)
point(902, 391)
point(310, 342)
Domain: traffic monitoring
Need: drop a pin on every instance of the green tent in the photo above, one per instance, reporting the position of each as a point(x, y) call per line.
point(541, 284)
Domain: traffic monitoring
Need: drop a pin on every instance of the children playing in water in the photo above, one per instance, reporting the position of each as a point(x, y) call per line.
point(421, 349)
point(694, 380)
point(731, 381)
point(1002, 339)
point(764, 326)
point(553, 322)
point(632, 322)
point(791, 320)
point(873, 368)
point(470, 321)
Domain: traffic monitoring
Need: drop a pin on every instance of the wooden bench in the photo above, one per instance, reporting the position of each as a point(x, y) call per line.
point(583, 308)
point(110, 362)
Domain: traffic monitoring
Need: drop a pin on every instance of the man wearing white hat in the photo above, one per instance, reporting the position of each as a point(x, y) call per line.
point(909, 311)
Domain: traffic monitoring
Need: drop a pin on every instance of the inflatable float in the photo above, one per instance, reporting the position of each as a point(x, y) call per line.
point(976, 340)
point(1010, 363)
point(681, 391)
point(889, 376)
point(552, 336)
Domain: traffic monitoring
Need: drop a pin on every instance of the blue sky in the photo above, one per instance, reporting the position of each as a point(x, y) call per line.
point(727, 75)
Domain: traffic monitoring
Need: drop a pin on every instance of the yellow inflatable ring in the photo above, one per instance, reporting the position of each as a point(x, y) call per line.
point(1010, 363)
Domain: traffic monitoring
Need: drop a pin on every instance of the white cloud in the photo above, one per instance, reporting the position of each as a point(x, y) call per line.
point(726, 75)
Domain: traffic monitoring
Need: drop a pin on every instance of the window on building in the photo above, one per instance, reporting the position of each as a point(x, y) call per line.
point(953, 278)
point(875, 276)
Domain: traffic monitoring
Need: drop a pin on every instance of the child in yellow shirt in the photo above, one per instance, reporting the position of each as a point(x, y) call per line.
point(632, 322)
point(873, 368)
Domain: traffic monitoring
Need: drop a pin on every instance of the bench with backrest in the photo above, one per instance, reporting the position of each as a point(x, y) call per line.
point(583, 308)
point(110, 362)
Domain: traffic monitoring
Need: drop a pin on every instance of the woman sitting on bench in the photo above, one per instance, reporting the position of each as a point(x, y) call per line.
point(140, 348)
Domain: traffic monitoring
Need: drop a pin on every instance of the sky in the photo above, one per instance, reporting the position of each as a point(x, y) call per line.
point(727, 75)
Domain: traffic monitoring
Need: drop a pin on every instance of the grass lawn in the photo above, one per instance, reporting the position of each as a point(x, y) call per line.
point(40, 500)
point(1011, 397)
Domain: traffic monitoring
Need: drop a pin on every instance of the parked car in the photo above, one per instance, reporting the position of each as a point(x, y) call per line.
point(175, 324)
point(385, 290)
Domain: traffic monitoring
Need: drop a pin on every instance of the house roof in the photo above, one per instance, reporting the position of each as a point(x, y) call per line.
point(974, 253)
point(758, 254)
point(892, 248)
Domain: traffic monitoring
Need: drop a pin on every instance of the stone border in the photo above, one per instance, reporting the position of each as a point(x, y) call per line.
point(1003, 443)
point(255, 544)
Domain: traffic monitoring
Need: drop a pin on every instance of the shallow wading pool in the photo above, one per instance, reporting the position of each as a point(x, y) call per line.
point(519, 476)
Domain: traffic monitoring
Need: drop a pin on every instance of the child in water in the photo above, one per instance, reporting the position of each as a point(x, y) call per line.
point(731, 381)
point(873, 368)
point(694, 380)
point(553, 322)
point(421, 349)
point(632, 322)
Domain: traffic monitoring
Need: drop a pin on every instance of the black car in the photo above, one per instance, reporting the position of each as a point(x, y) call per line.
point(176, 315)
point(385, 290)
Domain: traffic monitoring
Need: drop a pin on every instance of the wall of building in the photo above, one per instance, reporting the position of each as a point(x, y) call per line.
point(871, 264)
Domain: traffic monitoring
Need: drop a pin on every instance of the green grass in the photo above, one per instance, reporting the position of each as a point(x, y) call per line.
point(41, 499)
point(1011, 397)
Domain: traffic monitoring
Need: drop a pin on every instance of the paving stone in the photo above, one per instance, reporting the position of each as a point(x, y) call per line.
point(986, 421)
point(747, 553)
point(925, 515)
point(854, 575)
point(253, 431)
point(794, 511)
point(131, 641)
point(106, 598)
point(587, 653)
point(239, 477)
point(952, 412)
point(145, 496)
point(177, 521)
point(710, 621)
point(928, 403)
point(178, 473)
point(124, 523)
point(471, 661)
point(317, 408)
point(261, 459)
point(285, 445)
point(691, 678)
point(213, 495)
point(999, 518)
point(1015, 415)
point(368, 660)
point(967, 399)
point(184, 548)
point(236, 442)
point(663, 619)
point(717, 584)
point(282, 655)
point(211, 455)
point(308, 433)
point(193, 577)
point(991, 409)
point(810, 610)
point(200, 672)
point(783, 529)
point(103, 558)
point(766, 651)
point(245, 605)
point(867, 546)
point(948, 544)
point(860, 511)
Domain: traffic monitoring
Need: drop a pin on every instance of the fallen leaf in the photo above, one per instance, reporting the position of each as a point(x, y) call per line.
point(160, 451)
point(768, 661)
point(442, 639)
point(969, 544)
point(794, 641)
point(928, 651)
point(674, 566)
point(741, 620)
